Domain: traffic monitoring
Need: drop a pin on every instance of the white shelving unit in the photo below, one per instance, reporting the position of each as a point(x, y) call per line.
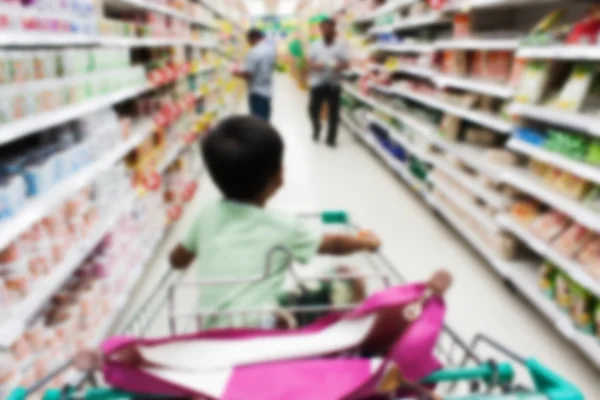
point(560, 52)
point(579, 168)
point(20, 128)
point(487, 120)
point(489, 176)
point(31, 307)
point(41, 205)
point(15, 325)
point(580, 122)
point(525, 182)
point(570, 266)
point(429, 19)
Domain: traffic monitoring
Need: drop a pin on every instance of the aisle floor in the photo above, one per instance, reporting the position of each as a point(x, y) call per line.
point(416, 241)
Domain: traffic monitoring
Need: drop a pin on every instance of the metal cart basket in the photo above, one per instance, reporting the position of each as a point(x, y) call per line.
point(467, 375)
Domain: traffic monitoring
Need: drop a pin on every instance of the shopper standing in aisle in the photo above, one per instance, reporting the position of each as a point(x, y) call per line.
point(258, 72)
point(328, 58)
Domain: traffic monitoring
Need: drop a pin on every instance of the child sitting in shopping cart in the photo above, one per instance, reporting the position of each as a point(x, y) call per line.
point(231, 237)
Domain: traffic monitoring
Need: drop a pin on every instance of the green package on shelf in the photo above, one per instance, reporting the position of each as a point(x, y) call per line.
point(566, 143)
point(593, 152)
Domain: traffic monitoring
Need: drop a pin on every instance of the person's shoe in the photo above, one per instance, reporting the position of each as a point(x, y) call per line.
point(332, 144)
point(315, 136)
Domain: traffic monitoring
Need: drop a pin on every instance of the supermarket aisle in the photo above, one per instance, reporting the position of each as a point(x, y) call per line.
point(416, 241)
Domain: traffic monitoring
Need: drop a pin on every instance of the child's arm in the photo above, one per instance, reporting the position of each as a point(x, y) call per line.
point(181, 258)
point(347, 244)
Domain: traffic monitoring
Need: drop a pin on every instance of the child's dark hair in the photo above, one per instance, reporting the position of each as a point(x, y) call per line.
point(243, 154)
point(254, 34)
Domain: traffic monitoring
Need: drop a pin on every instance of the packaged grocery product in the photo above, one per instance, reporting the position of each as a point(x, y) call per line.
point(538, 168)
point(572, 240)
point(589, 257)
point(450, 127)
point(576, 89)
point(498, 65)
point(562, 291)
point(533, 82)
point(546, 280)
point(572, 186)
point(526, 211)
point(501, 156)
point(569, 144)
point(549, 225)
point(480, 136)
point(553, 176)
point(582, 304)
point(462, 25)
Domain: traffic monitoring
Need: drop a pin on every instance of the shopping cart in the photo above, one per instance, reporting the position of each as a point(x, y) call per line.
point(467, 375)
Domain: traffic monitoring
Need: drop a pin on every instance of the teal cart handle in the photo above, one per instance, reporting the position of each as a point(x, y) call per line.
point(550, 384)
point(493, 374)
point(335, 217)
point(18, 394)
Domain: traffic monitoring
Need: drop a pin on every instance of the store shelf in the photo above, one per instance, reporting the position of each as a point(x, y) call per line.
point(581, 122)
point(418, 71)
point(477, 44)
point(470, 183)
point(400, 138)
point(501, 266)
point(579, 168)
point(490, 121)
point(469, 155)
point(23, 127)
point(395, 165)
point(147, 5)
point(503, 91)
point(467, 205)
point(13, 327)
point(525, 280)
point(40, 206)
point(524, 181)
point(401, 48)
point(49, 39)
point(462, 5)
point(571, 267)
point(359, 96)
point(45, 39)
point(389, 6)
point(560, 52)
point(428, 19)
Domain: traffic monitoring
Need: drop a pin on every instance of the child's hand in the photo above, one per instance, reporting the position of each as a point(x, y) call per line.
point(369, 240)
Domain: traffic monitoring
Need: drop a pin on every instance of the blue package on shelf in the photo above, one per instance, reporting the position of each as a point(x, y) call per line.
point(398, 151)
point(530, 136)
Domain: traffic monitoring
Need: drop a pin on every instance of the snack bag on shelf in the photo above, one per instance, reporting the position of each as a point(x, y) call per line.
point(576, 88)
point(553, 176)
point(581, 308)
point(590, 257)
point(533, 83)
point(572, 186)
point(566, 143)
point(562, 291)
point(593, 152)
point(572, 240)
point(538, 168)
point(547, 279)
point(526, 211)
point(549, 225)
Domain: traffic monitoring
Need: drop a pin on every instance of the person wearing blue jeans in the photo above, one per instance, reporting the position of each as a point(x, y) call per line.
point(258, 73)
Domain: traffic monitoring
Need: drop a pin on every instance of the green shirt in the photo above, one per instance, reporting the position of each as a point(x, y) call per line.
point(231, 240)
